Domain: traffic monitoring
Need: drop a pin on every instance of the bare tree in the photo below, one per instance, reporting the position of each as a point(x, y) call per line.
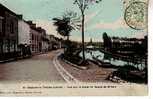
point(83, 6)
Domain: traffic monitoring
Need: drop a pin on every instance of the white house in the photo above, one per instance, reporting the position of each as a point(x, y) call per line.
point(23, 32)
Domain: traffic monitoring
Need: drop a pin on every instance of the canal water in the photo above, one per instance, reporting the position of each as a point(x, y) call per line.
point(91, 54)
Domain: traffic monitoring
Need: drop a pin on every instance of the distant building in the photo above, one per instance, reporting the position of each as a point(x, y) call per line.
point(44, 39)
point(130, 46)
point(38, 39)
point(59, 42)
point(35, 38)
point(52, 42)
point(125, 42)
point(8, 33)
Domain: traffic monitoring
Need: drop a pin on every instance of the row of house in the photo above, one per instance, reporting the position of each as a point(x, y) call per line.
point(19, 37)
point(129, 43)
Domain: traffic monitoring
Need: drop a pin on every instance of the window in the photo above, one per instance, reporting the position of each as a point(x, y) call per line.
point(1, 23)
point(1, 46)
point(6, 46)
point(33, 48)
point(32, 37)
point(12, 27)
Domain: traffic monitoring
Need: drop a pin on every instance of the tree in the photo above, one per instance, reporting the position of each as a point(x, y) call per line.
point(63, 27)
point(83, 6)
point(66, 24)
point(107, 41)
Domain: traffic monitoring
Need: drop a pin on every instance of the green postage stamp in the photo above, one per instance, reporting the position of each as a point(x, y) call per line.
point(73, 47)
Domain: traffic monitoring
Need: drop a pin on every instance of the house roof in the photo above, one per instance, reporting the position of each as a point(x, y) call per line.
point(3, 8)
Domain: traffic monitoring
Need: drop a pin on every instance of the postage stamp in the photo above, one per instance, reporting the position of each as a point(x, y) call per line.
point(136, 15)
point(73, 47)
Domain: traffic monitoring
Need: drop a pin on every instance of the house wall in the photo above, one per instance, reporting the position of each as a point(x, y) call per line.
point(45, 46)
point(1, 32)
point(8, 33)
point(24, 32)
point(35, 39)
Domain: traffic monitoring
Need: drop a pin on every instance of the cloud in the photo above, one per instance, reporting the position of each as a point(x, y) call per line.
point(51, 29)
point(140, 34)
point(120, 23)
point(90, 16)
point(48, 26)
point(79, 38)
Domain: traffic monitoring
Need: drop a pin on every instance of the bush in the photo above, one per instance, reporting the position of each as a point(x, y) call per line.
point(131, 74)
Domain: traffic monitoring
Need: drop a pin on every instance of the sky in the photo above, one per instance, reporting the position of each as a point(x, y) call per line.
point(107, 16)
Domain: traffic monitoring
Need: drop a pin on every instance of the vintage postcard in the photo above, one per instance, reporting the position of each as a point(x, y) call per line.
point(73, 47)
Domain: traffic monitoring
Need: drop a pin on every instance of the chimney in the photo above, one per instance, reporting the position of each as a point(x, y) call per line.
point(29, 22)
point(20, 17)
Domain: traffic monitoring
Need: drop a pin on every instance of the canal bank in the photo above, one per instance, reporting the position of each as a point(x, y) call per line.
point(126, 71)
point(93, 74)
point(105, 69)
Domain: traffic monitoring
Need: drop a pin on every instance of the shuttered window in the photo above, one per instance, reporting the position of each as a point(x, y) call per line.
point(1, 23)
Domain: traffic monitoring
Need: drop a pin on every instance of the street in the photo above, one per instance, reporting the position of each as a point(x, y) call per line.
point(37, 68)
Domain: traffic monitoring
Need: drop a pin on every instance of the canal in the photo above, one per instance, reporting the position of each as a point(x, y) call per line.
point(107, 58)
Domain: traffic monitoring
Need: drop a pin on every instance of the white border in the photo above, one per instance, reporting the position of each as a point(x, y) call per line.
point(150, 69)
point(150, 36)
